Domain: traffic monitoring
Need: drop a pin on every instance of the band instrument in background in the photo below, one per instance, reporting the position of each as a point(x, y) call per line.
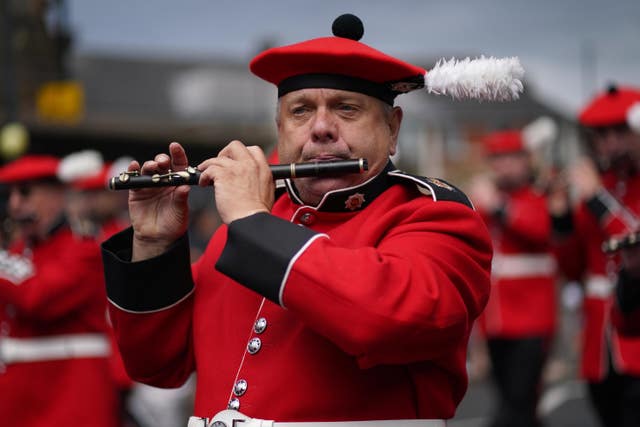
point(623, 242)
point(191, 175)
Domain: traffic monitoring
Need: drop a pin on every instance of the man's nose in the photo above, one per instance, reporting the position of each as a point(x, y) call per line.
point(15, 200)
point(324, 127)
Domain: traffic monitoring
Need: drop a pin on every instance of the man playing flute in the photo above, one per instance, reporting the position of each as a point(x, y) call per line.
point(348, 298)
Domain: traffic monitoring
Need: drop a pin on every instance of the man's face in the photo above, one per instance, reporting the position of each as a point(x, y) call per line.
point(330, 124)
point(511, 170)
point(614, 145)
point(35, 207)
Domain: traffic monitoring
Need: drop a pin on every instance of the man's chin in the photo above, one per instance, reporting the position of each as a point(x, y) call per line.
point(313, 189)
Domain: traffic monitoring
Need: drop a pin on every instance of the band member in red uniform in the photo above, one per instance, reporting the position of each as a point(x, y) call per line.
point(53, 344)
point(349, 297)
point(608, 187)
point(520, 319)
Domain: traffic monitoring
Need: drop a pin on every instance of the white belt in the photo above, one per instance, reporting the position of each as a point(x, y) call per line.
point(506, 266)
point(231, 418)
point(58, 347)
point(599, 287)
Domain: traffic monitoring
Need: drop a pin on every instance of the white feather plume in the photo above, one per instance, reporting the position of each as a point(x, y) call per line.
point(491, 79)
point(81, 164)
point(540, 133)
point(633, 117)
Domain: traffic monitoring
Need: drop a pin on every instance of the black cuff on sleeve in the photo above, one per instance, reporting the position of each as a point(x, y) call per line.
point(597, 207)
point(148, 285)
point(562, 224)
point(628, 292)
point(258, 251)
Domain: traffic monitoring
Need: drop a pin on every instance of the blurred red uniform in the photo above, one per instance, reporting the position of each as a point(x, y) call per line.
point(610, 360)
point(523, 275)
point(583, 259)
point(520, 318)
point(54, 349)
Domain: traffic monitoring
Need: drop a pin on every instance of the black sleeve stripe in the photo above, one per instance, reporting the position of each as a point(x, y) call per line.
point(150, 285)
point(259, 251)
point(598, 207)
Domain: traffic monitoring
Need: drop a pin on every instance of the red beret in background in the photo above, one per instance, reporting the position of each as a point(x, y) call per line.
point(609, 108)
point(503, 142)
point(30, 168)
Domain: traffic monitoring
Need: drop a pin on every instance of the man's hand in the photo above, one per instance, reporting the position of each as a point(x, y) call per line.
point(584, 177)
point(485, 194)
point(159, 216)
point(241, 179)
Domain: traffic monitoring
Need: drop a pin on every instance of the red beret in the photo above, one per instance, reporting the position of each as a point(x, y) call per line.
point(100, 180)
point(30, 168)
point(97, 181)
point(504, 142)
point(609, 108)
point(339, 62)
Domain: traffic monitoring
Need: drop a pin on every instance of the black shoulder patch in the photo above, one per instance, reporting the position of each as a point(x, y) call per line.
point(437, 188)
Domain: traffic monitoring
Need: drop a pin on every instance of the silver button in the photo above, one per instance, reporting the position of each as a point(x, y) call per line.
point(254, 345)
point(240, 388)
point(307, 218)
point(234, 404)
point(260, 325)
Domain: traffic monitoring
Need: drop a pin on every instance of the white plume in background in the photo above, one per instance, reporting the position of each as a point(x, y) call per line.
point(81, 164)
point(540, 133)
point(633, 117)
point(119, 165)
point(491, 79)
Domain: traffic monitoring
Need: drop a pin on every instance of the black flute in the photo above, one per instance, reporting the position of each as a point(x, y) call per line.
point(191, 175)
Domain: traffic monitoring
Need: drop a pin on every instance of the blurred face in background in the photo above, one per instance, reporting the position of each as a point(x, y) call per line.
point(35, 207)
point(615, 147)
point(511, 170)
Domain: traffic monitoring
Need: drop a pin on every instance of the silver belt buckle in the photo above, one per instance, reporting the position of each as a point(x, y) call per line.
point(226, 418)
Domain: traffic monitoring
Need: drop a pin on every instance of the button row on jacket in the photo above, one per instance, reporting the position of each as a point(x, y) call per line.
point(254, 345)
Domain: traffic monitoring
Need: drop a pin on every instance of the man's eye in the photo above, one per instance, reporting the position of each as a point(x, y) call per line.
point(297, 111)
point(347, 108)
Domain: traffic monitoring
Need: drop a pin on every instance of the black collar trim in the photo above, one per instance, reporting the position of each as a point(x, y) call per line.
point(349, 199)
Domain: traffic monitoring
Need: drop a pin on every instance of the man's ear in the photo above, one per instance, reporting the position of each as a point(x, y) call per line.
point(395, 119)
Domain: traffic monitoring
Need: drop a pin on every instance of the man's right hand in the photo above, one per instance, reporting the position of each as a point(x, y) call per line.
point(159, 216)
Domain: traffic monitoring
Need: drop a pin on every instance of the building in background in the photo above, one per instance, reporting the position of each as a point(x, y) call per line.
point(134, 106)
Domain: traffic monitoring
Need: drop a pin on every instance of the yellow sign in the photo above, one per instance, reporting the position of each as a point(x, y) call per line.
point(61, 102)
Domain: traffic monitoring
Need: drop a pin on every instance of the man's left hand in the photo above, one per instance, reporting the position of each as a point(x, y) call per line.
point(242, 181)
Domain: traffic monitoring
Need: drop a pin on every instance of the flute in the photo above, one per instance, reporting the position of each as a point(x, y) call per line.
point(615, 244)
point(191, 176)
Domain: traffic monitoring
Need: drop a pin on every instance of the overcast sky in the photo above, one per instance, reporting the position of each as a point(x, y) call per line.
point(568, 48)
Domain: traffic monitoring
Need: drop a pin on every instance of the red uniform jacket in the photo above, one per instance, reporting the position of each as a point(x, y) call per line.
point(523, 298)
point(53, 347)
point(610, 213)
point(357, 309)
